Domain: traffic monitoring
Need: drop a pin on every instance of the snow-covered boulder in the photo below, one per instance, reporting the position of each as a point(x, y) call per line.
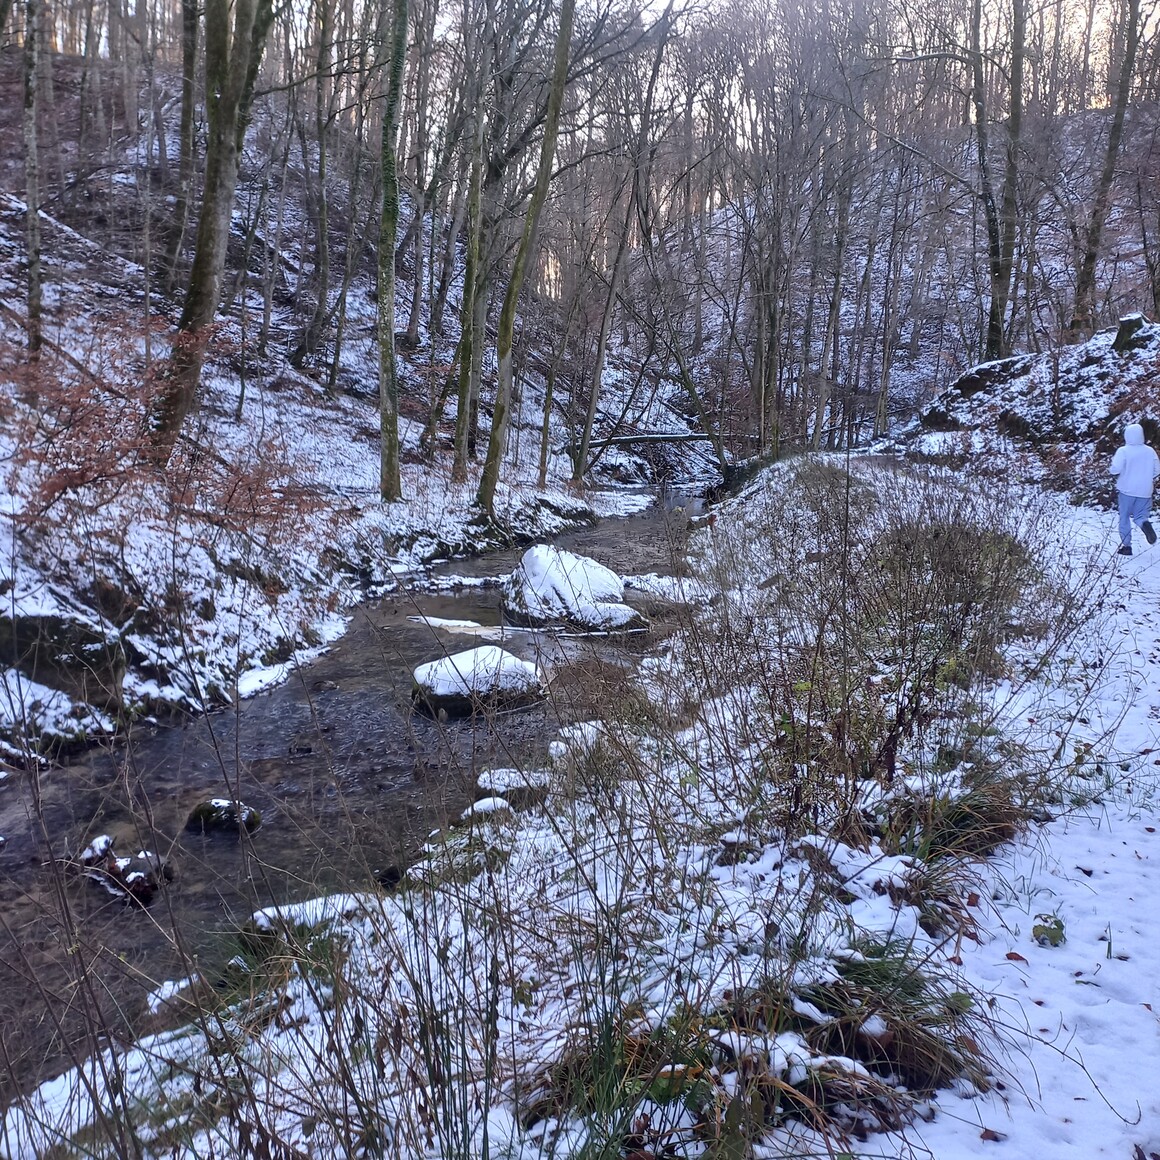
point(552, 587)
point(479, 678)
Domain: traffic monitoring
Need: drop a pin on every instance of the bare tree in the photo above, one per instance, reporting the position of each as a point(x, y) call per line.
point(505, 337)
point(1084, 315)
point(390, 484)
point(231, 69)
point(33, 28)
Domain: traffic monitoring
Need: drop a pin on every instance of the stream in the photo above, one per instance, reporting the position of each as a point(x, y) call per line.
point(348, 779)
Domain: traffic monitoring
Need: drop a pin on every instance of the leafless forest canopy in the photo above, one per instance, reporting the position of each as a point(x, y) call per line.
point(803, 216)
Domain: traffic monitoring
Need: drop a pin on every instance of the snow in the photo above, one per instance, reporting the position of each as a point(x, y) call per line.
point(162, 995)
point(1053, 418)
point(96, 850)
point(501, 782)
point(467, 627)
point(676, 589)
point(606, 503)
point(624, 898)
point(34, 709)
point(312, 914)
point(485, 808)
point(554, 586)
point(276, 535)
point(478, 672)
point(450, 623)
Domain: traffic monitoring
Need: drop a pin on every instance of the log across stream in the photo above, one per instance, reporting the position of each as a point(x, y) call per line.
point(348, 780)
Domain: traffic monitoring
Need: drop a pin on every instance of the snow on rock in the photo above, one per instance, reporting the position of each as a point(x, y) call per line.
point(35, 714)
point(574, 744)
point(520, 788)
point(480, 677)
point(167, 995)
point(493, 808)
point(136, 878)
point(223, 815)
point(313, 914)
point(553, 587)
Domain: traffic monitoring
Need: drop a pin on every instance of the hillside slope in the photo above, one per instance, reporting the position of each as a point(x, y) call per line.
point(1054, 418)
point(128, 588)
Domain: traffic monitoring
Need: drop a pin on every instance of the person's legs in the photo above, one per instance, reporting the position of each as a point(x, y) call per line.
point(1135, 509)
point(1145, 521)
point(1140, 510)
point(1125, 520)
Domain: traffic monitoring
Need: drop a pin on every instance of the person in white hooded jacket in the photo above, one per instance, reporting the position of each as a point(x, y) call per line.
point(1135, 466)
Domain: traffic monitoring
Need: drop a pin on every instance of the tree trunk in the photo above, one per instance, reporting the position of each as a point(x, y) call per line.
point(638, 163)
point(390, 483)
point(471, 338)
point(189, 38)
point(994, 348)
point(1084, 316)
point(33, 29)
point(550, 391)
point(447, 270)
point(997, 345)
point(320, 201)
point(354, 242)
point(829, 365)
point(231, 68)
point(272, 253)
point(504, 339)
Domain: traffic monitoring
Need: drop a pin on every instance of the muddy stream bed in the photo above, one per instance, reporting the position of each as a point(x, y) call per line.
point(348, 779)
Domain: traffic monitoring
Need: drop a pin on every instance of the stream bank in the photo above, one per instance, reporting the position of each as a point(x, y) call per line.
point(348, 780)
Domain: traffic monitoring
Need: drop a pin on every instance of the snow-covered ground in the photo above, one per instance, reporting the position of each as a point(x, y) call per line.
point(647, 907)
point(1082, 1019)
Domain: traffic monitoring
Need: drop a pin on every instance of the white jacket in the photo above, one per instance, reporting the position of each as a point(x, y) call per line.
point(1135, 464)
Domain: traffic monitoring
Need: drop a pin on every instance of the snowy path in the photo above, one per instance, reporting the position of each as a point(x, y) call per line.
point(1084, 1017)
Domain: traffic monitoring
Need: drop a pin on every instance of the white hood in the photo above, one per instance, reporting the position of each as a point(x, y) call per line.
point(1134, 435)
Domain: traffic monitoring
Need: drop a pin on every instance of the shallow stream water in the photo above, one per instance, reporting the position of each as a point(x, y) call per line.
point(348, 779)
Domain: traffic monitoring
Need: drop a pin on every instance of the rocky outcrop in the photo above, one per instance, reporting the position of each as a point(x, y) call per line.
point(1054, 418)
point(77, 658)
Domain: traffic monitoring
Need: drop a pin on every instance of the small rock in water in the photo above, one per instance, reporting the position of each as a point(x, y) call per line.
point(225, 815)
point(137, 878)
